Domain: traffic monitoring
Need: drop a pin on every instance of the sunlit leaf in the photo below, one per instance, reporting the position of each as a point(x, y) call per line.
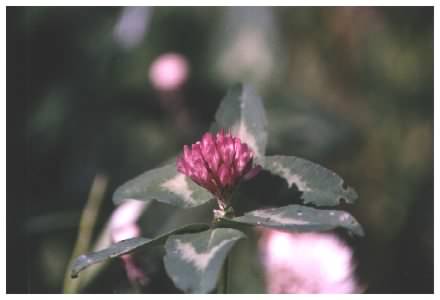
point(298, 218)
point(242, 112)
point(319, 186)
point(165, 185)
point(194, 261)
point(127, 246)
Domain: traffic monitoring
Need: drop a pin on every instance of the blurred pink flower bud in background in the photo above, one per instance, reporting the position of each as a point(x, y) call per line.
point(307, 263)
point(134, 273)
point(126, 232)
point(169, 72)
point(217, 162)
point(123, 226)
point(123, 220)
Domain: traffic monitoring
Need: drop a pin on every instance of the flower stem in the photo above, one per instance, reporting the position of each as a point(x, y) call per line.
point(225, 276)
point(86, 227)
point(225, 211)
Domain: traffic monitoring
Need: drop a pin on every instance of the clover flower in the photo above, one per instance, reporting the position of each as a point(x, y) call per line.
point(218, 163)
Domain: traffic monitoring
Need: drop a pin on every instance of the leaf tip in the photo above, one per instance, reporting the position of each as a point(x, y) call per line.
point(75, 270)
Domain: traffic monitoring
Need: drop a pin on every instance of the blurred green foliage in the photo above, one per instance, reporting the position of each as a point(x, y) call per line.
point(349, 88)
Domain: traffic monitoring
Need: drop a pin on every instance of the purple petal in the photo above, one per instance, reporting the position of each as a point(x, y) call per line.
point(224, 174)
point(207, 139)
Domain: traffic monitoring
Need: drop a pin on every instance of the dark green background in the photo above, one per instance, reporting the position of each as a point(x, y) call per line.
point(349, 88)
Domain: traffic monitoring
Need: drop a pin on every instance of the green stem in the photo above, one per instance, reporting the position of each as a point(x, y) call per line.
point(87, 224)
point(225, 276)
point(225, 211)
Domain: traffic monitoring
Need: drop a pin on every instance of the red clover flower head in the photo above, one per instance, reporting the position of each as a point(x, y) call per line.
point(218, 163)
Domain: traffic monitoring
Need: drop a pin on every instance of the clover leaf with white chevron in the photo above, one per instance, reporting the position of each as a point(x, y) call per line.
point(318, 185)
point(242, 113)
point(194, 261)
point(299, 218)
point(127, 246)
point(165, 185)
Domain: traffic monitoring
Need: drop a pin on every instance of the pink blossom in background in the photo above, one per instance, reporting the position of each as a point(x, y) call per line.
point(169, 72)
point(134, 273)
point(123, 226)
point(307, 263)
point(126, 232)
point(123, 220)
